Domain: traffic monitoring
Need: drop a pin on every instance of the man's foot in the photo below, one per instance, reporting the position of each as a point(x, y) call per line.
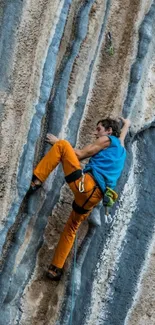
point(54, 273)
point(35, 185)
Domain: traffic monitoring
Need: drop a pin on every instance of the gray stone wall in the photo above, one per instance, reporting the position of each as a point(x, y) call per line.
point(58, 76)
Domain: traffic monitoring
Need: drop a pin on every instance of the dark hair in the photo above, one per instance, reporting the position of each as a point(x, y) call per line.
point(110, 123)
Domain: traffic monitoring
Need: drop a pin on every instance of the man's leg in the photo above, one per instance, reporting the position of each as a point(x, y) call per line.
point(68, 235)
point(67, 239)
point(62, 152)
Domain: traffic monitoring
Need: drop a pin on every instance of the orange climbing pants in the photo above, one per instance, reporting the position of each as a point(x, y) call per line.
point(63, 152)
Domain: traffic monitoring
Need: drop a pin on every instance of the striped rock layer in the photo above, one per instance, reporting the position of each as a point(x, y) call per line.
point(58, 75)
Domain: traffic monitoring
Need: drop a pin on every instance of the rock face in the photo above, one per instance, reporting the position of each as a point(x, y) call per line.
point(59, 75)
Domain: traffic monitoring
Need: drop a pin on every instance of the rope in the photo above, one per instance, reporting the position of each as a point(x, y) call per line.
point(73, 281)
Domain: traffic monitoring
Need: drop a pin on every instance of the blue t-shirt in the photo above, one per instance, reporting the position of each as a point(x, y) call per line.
point(106, 166)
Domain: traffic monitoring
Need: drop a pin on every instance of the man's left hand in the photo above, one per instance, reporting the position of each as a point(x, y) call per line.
point(50, 138)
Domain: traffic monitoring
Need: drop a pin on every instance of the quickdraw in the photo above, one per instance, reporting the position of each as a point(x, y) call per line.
point(108, 218)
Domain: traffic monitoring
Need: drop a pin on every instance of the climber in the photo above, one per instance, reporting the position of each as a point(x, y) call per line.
point(103, 170)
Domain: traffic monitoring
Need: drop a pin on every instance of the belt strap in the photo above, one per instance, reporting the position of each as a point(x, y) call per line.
point(73, 176)
point(78, 209)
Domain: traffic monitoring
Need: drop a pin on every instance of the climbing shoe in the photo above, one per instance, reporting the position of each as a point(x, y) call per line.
point(33, 187)
point(54, 273)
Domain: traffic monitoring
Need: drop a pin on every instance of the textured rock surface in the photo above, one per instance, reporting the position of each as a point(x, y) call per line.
point(58, 76)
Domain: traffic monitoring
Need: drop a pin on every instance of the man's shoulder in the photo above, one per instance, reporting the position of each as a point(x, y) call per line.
point(114, 140)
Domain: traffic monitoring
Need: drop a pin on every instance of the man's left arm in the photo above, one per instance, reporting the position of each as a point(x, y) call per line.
point(87, 151)
point(92, 149)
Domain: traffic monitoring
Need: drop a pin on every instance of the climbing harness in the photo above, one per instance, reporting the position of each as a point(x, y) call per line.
point(109, 196)
point(109, 44)
point(72, 178)
point(80, 209)
point(73, 281)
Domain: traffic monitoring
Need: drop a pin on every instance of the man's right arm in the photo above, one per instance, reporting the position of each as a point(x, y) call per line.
point(124, 130)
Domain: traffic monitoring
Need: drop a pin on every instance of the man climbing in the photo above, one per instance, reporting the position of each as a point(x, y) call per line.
point(103, 170)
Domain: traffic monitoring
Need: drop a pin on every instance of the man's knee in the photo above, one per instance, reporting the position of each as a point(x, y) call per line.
point(63, 143)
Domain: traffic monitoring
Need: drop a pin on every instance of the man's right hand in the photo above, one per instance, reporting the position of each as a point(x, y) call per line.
point(124, 130)
point(125, 121)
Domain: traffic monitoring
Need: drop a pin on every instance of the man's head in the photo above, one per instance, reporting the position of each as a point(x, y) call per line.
point(107, 126)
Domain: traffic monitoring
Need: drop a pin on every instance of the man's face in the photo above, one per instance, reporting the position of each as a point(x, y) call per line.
point(100, 131)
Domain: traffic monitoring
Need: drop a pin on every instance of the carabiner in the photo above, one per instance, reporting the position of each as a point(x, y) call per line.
point(81, 184)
